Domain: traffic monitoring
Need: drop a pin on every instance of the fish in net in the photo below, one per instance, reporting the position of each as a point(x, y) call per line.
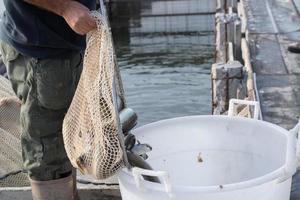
point(91, 128)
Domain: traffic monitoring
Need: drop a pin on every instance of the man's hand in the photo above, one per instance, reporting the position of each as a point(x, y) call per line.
point(76, 15)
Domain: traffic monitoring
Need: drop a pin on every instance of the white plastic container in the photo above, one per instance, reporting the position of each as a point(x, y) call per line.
point(214, 158)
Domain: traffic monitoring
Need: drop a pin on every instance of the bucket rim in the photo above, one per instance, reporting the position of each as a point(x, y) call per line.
point(188, 117)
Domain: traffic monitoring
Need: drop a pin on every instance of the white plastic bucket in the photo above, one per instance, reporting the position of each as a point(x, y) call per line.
point(214, 158)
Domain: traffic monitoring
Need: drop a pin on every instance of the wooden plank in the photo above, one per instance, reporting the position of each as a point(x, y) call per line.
point(230, 52)
point(232, 4)
point(237, 41)
point(248, 66)
point(88, 192)
point(221, 6)
point(221, 55)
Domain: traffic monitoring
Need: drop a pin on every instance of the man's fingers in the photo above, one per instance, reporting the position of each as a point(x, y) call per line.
point(92, 21)
point(84, 28)
point(79, 19)
point(81, 31)
point(88, 25)
point(85, 24)
point(92, 24)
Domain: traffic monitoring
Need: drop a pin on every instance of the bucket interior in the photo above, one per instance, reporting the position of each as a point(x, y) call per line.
point(209, 151)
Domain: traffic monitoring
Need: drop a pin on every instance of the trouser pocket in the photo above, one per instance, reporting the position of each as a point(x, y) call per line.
point(18, 69)
point(56, 81)
point(8, 53)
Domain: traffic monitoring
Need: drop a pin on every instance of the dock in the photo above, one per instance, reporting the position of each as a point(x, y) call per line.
point(252, 62)
point(272, 26)
point(268, 27)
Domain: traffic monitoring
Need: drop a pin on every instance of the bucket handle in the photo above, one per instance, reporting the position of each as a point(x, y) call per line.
point(233, 102)
point(164, 176)
point(292, 154)
point(296, 134)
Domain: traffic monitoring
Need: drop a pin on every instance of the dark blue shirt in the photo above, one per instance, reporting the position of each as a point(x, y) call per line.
point(39, 33)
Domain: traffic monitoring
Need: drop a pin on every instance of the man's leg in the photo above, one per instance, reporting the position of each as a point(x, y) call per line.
point(45, 88)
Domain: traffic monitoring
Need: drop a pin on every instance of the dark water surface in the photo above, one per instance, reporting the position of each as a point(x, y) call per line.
point(165, 51)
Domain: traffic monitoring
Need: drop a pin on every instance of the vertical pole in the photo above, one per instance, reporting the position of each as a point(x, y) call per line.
point(230, 51)
point(221, 5)
point(233, 4)
point(221, 51)
point(238, 40)
point(230, 27)
point(219, 88)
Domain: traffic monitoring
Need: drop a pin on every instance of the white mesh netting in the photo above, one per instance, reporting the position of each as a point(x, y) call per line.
point(91, 127)
point(10, 145)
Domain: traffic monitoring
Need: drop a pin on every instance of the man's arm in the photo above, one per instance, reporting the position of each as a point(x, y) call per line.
point(76, 15)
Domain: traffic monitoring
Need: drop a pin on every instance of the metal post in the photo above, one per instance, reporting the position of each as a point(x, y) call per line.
point(230, 51)
point(237, 40)
point(221, 5)
point(219, 88)
point(230, 27)
point(233, 4)
point(221, 51)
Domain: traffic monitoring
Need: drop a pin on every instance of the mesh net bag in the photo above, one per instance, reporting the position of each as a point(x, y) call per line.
point(10, 145)
point(91, 130)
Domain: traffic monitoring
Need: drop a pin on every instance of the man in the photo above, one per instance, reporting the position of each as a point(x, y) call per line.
point(42, 45)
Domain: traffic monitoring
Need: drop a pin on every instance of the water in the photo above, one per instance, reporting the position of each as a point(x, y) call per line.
point(165, 51)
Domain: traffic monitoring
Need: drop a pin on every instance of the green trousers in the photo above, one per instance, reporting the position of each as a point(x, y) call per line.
point(45, 88)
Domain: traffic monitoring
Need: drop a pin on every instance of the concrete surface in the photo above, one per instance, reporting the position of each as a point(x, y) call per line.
point(272, 25)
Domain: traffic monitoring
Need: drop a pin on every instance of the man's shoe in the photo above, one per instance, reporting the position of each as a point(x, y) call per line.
point(60, 189)
point(294, 48)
